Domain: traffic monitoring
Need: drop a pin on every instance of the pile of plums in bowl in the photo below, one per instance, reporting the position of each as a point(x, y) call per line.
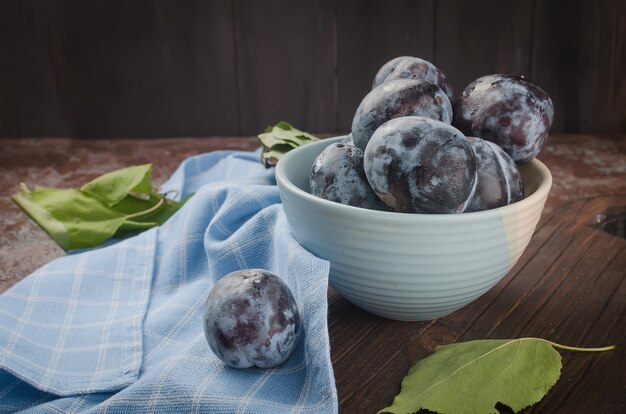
point(430, 200)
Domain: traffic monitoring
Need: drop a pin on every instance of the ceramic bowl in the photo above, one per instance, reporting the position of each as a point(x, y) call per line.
point(409, 266)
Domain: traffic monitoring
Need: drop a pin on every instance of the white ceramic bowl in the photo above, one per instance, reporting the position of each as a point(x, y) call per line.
point(409, 266)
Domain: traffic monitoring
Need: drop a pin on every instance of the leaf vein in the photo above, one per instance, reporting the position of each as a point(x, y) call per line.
point(532, 370)
point(501, 373)
point(464, 366)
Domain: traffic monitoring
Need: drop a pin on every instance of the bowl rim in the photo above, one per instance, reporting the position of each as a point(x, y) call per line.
point(285, 184)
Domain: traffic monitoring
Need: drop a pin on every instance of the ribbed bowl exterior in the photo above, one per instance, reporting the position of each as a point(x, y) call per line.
point(408, 266)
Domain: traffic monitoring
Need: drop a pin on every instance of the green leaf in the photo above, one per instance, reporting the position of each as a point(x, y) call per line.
point(144, 214)
point(280, 139)
point(153, 212)
point(130, 227)
point(471, 377)
point(41, 216)
point(112, 187)
point(132, 203)
point(284, 125)
point(116, 204)
point(72, 218)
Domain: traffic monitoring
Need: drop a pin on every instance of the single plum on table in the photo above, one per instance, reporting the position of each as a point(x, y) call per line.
point(507, 110)
point(499, 181)
point(419, 165)
point(251, 318)
point(409, 67)
point(337, 175)
point(402, 97)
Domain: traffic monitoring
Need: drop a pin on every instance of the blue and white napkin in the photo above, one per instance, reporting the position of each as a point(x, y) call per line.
point(119, 328)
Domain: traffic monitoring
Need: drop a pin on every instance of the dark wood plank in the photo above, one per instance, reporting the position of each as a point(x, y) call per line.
point(369, 33)
point(594, 293)
point(579, 58)
point(482, 37)
point(29, 87)
point(109, 68)
point(153, 68)
point(285, 64)
point(578, 397)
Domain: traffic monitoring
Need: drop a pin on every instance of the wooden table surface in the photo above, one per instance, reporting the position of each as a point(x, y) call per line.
point(567, 287)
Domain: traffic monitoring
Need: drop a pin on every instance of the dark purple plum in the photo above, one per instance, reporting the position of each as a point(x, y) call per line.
point(337, 175)
point(409, 67)
point(499, 181)
point(419, 165)
point(403, 97)
point(348, 140)
point(507, 110)
point(251, 318)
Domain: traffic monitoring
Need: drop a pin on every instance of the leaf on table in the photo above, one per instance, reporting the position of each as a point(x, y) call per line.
point(130, 227)
point(72, 218)
point(280, 139)
point(113, 186)
point(157, 210)
point(116, 204)
point(472, 377)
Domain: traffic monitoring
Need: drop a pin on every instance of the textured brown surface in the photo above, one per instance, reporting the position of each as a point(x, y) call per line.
point(584, 166)
point(567, 287)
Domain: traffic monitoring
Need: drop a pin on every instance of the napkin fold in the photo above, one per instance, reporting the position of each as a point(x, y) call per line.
point(119, 328)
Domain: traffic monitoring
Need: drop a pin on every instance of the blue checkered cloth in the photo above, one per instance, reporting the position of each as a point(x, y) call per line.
point(119, 329)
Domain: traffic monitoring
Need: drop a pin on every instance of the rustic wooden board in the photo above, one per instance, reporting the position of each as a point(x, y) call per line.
point(369, 33)
point(285, 65)
point(29, 88)
point(579, 58)
point(482, 37)
point(151, 68)
point(144, 68)
point(569, 287)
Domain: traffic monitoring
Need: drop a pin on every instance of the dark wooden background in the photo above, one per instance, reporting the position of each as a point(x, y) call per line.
point(152, 68)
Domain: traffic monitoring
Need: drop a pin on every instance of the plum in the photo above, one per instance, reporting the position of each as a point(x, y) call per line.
point(419, 165)
point(337, 175)
point(409, 67)
point(251, 318)
point(507, 110)
point(348, 140)
point(499, 181)
point(402, 97)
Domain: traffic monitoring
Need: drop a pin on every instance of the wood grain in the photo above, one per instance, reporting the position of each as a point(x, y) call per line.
point(482, 37)
point(30, 101)
point(285, 65)
point(579, 58)
point(154, 68)
point(142, 68)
